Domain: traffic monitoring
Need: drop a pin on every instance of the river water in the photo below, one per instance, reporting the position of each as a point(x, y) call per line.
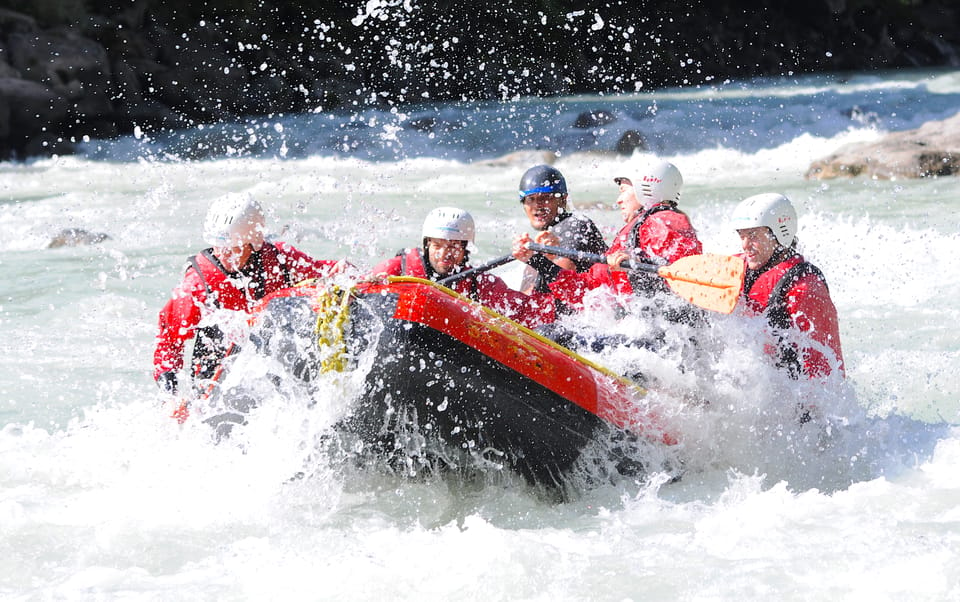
point(103, 496)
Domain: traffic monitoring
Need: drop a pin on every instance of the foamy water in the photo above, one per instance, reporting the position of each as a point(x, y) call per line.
point(102, 495)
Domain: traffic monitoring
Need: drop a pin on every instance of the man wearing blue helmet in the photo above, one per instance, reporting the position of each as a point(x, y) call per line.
point(543, 193)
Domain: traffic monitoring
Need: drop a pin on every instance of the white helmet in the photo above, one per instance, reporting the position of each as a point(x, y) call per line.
point(449, 223)
point(658, 181)
point(234, 219)
point(769, 209)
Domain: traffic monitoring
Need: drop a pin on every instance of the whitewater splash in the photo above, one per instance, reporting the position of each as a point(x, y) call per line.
point(712, 383)
point(102, 494)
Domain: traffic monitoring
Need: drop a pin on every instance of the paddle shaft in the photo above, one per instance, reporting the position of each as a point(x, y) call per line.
point(592, 257)
point(712, 282)
point(493, 263)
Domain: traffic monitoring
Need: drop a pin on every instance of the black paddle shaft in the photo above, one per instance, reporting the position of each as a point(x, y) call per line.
point(477, 270)
point(629, 264)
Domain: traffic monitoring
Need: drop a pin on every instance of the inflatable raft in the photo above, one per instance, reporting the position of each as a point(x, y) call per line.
point(451, 377)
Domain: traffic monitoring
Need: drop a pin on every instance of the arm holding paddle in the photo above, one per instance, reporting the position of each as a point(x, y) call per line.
point(549, 239)
point(493, 263)
point(524, 250)
point(713, 282)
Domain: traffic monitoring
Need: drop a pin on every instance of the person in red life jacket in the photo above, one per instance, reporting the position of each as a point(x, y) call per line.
point(791, 292)
point(236, 271)
point(655, 231)
point(447, 234)
point(543, 195)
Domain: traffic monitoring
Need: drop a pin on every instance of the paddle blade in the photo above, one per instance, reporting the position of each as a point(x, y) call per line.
point(712, 282)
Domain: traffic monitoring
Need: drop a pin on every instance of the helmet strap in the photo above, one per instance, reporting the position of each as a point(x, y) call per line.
point(780, 255)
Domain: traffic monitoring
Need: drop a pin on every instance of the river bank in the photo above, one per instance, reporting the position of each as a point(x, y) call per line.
point(106, 72)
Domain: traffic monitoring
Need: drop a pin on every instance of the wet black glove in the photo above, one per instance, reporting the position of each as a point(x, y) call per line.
point(167, 381)
point(546, 268)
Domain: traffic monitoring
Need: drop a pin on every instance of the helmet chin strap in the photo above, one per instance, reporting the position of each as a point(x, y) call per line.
point(780, 254)
point(649, 202)
point(230, 260)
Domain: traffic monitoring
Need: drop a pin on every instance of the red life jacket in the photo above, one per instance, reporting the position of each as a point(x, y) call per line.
point(531, 311)
point(231, 292)
point(793, 294)
point(412, 264)
point(207, 286)
point(662, 234)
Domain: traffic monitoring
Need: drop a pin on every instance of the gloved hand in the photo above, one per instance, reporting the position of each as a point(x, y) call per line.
point(167, 381)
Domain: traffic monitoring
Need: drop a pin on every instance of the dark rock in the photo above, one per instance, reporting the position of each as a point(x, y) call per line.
point(74, 66)
point(76, 70)
point(127, 89)
point(6, 70)
point(197, 77)
point(150, 116)
point(4, 119)
point(31, 110)
point(96, 127)
point(46, 144)
point(939, 163)
point(72, 237)
point(14, 22)
point(593, 119)
point(631, 141)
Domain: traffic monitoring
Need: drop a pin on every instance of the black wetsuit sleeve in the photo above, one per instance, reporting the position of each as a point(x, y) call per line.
point(580, 233)
point(545, 268)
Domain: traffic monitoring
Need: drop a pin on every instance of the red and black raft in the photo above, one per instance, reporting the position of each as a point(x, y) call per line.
point(452, 378)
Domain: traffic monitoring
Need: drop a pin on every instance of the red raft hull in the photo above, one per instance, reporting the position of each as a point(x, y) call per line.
point(453, 379)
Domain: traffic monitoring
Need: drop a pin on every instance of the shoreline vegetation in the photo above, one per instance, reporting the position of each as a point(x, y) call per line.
point(72, 70)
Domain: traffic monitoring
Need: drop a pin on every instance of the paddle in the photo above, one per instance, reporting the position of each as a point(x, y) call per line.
point(712, 282)
point(477, 270)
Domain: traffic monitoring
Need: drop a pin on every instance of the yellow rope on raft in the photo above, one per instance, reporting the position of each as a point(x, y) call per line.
point(333, 309)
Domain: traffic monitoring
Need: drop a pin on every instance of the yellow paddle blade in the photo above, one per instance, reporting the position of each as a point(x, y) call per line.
point(712, 282)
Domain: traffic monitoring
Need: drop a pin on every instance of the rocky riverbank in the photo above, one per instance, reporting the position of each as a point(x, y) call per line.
point(132, 67)
point(932, 150)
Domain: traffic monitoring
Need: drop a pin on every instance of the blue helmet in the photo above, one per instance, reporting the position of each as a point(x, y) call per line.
point(542, 178)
